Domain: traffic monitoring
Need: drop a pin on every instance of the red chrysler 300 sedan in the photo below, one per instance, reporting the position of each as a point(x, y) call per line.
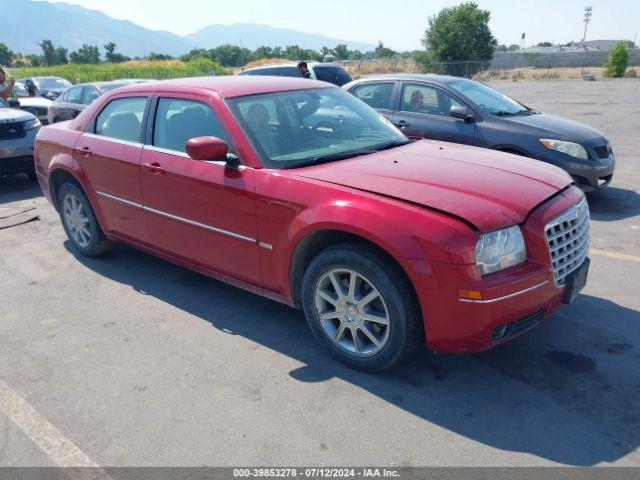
point(300, 192)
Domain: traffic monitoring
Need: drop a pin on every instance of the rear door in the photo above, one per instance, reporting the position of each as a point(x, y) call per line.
point(424, 112)
point(109, 154)
point(66, 109)
point(203, 212)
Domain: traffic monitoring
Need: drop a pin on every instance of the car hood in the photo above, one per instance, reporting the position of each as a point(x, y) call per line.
point(557, 128)
point(486, 188)
point(10, 115)
point(34, 102)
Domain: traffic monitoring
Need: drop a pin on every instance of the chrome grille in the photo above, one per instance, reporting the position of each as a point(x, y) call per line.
point(568, 237)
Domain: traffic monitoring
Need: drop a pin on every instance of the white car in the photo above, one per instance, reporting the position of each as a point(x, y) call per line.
point(18, 131)
point(38, 106)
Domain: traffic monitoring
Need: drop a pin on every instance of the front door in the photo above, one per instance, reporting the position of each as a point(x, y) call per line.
point(109, 154)
point(424, 112)
point(203, 212)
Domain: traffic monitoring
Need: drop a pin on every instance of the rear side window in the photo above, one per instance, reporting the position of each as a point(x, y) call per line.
point(122, 119)
point(179, 120)
point(376, 95)
point(74, 95)
point(336, 75)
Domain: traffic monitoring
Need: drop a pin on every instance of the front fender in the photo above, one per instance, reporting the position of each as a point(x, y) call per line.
point(411, 234)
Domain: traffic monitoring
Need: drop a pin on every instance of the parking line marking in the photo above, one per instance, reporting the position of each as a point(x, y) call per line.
point(62, 451)
point(619, 256)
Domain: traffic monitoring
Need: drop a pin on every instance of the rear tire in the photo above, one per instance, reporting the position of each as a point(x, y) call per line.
point(361, 307)
point(80, 222)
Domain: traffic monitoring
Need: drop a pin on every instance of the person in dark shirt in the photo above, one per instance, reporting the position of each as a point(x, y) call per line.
point(304, 70)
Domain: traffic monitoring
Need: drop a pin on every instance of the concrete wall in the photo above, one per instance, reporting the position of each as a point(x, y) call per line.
point(509, 60)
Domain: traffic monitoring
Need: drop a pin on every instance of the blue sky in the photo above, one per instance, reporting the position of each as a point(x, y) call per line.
point(399, 24)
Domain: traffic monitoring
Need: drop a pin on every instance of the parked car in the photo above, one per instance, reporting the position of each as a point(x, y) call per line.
point(381, 240)
point(458, 110)
point(68, 105)
point(327, 72)
point(48, 87)
point(18, 131)
point(37, 105)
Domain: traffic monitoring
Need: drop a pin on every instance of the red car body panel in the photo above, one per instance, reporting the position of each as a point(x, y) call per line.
point(424, 204)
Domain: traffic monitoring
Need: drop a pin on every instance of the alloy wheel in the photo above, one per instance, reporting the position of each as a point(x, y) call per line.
point(352, 312)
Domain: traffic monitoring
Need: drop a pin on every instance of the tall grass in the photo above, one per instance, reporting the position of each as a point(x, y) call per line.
point(157, 70)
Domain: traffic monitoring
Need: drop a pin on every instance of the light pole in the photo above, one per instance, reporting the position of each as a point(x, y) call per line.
point(587, 18)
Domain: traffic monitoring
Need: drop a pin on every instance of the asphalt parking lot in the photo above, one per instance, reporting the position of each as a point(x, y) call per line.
point(129, 360)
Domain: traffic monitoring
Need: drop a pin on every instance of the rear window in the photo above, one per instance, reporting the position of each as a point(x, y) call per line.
point(275, 72)
point(332, 74)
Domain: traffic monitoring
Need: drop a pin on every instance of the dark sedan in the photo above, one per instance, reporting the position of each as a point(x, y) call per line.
point(458, 110)
point(68, 105)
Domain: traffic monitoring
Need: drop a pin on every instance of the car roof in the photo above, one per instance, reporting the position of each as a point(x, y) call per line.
point(229, 86)
point(416, 77)
point(103, 84)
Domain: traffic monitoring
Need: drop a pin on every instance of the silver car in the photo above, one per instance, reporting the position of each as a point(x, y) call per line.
point(18, 131)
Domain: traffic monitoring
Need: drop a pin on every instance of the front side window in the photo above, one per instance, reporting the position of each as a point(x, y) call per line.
point(427, 100)
point(90, 94)
point(376, 95)
point(488, 99)
point(74, 95)
point(290, 129)
point(179, 120)
point(122, 119)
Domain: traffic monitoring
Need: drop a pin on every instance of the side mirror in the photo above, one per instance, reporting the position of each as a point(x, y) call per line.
point(462, 113)
point(207, 148)
point(13, 102)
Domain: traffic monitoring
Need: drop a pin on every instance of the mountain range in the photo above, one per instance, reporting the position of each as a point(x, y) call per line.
point(28, 22)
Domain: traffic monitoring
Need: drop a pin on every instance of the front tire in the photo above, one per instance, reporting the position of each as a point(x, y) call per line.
point(361, 307)
point(80, 222)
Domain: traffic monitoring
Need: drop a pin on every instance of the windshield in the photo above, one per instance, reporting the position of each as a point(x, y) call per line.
point(488, 99)
point(3, 104)
point(52, 82)
point(291, 129)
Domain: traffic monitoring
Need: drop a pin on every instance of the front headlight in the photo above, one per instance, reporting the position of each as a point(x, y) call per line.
point(570, 148)
point(31, 124)
point(500, 249)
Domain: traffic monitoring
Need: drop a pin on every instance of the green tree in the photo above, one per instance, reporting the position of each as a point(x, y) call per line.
point(86, 54)
point(502, 48)
point(459, 33)
point(326, 51)
point(6, 55)
point(60, 56)
point(48, 52)
point(514, 48)
point(111, 55)
point(544, 44)
point(383, 52)
point(292, 52)
point(341, 51)
point(158, 56)
point(263, 52)
point(618, 60)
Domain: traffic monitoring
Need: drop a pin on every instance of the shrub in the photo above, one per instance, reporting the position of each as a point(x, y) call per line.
point(618, 60)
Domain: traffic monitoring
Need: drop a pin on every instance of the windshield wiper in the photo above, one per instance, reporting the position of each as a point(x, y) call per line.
point(350, 154)
point(332, 157)
point(505, 113)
